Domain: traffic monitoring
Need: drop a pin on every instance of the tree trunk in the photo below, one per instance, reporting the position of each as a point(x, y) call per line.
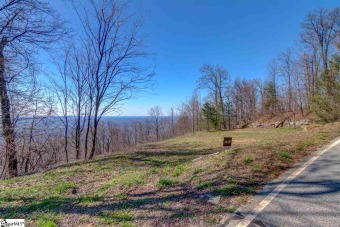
point(193, 117)
point(66, 139)
point(27, 163)
point(7, 128)
point(94, 139)
point(172, 123)
point(78, 135)
point(87, 137)
point(290, 94)
point(222, 110)
point(157, 129)
point(87, 131)
point(208, 129)
point(94, 142)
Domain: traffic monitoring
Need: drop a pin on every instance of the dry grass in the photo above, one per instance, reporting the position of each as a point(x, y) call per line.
point(158, 184)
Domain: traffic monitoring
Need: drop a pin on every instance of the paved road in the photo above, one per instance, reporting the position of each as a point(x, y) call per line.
point(310, 196)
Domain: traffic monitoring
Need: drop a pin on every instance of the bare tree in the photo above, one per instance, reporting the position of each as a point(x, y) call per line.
point(244, 97)
point(78, 74)
point(156, 113)
point(183, 123)
point(24, 26)
point(193, 108)
point(61, 90)
point(273, 74)
point(320, 30)
point(71, 89)
point(286, 68)
point(299, 84)
point(308, 67)
point(215, 79)
point(172, 121)
point(115, 49)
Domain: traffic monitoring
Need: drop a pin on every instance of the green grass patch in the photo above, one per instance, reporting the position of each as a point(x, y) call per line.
point(127, 180)
point(212, 219)
point(166, 170)
point(300, 146)
point(255, 166)
point(195, 178)
point(140, 202)
point(231, 209)
point(232, 180)
point(323, 136)
point(47, 204)
point(89, 199)
point(121, 196)
point(233, 152)
point(61, 188)
point(165, 182)
point(178, 171)
point(284, 155)
point(43, 222)
point(205, 184)
point(45, 219)
point(179, 215)
point(121, 217)
point(198, 170)
point(233, 189)
point(127, 224)
point(248, 159)
point(107, 166)
point(154, 170)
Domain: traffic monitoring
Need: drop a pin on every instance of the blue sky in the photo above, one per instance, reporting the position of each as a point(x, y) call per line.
point(242, 36)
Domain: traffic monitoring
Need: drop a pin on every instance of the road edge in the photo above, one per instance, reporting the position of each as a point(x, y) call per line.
point(244, 215)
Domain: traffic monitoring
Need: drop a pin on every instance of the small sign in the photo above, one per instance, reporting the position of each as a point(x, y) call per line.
point(227, 141)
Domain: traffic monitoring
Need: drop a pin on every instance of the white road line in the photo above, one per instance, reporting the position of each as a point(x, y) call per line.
point(250, 217)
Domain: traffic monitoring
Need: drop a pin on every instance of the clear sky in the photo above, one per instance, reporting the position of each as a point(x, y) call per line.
point(242, 36)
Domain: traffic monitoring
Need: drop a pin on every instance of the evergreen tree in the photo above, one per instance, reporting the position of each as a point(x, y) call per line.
point(270, 97)
point(326, 104)
point(210, 114)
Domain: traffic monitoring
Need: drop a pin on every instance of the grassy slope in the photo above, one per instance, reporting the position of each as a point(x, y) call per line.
point(158, 183)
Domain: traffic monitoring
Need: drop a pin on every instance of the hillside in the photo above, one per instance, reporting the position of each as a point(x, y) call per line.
point(158, 183)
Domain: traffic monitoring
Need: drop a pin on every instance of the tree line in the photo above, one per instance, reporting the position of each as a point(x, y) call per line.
point(302, 79)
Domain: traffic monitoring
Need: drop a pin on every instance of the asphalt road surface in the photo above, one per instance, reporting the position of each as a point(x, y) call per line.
point(307, 195)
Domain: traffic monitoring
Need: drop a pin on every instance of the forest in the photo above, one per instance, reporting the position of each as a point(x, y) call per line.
point(59, 119)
